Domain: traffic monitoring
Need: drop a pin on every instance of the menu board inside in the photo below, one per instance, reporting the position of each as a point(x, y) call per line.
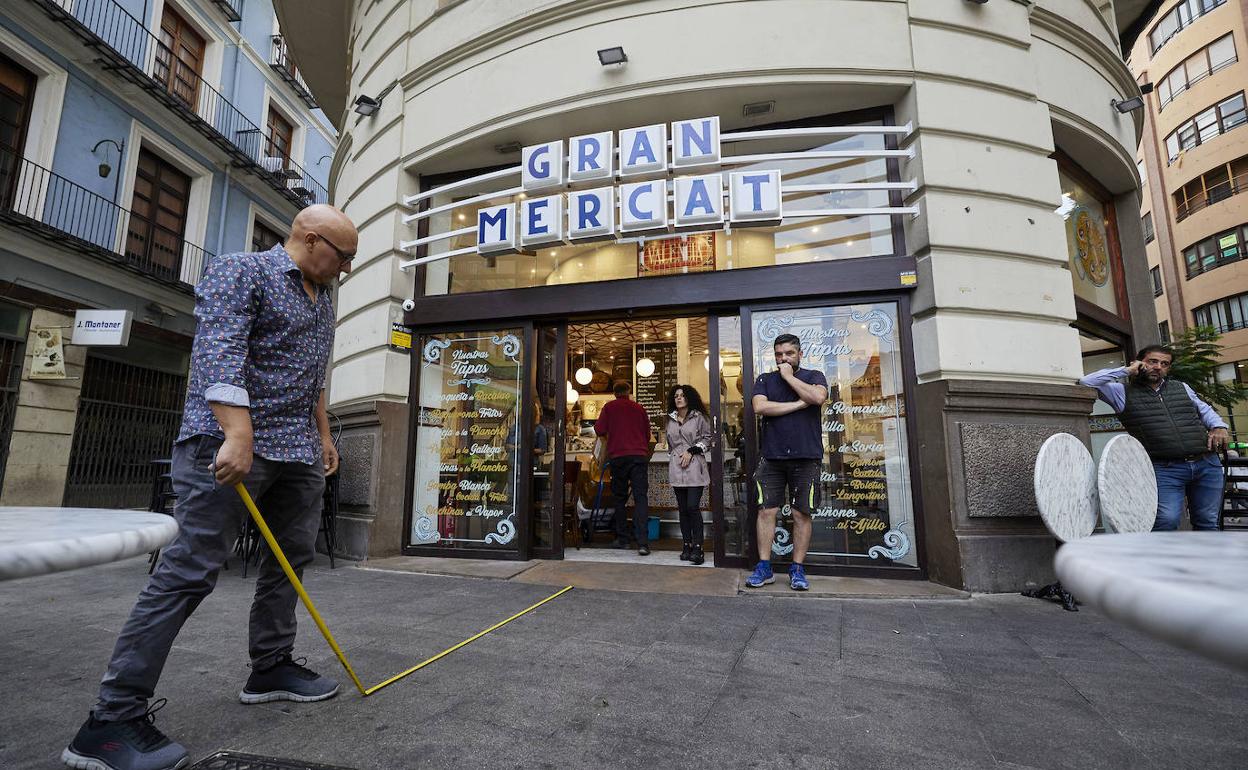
point(651, 392)
point(866, 512)
point(467, 456)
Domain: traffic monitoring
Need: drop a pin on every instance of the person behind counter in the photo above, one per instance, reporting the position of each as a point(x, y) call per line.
point(688, 440)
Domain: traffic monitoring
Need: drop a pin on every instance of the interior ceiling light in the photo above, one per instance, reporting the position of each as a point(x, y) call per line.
point(645, 367)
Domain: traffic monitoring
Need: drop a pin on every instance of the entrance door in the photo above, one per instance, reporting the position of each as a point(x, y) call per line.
point(865, 517)
point(552, 501)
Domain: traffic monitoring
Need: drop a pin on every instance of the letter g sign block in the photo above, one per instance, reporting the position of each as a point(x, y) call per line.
point(543, 167)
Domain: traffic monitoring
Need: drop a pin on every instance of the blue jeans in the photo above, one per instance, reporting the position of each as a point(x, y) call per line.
point(1198, 480)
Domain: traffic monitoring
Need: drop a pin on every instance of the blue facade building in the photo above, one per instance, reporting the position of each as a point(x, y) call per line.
point(138, 139)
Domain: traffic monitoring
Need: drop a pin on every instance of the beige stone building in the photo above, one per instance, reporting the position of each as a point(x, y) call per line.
point(1194, 165)
point(959, 231)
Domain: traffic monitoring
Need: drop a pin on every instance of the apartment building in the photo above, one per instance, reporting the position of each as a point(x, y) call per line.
point(1193, 160)
point(138, 139)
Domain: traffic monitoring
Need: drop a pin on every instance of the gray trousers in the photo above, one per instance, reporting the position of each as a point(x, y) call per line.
point(209, 516)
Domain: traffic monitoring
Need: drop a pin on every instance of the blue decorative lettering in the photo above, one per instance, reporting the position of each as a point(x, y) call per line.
point(589, 147)
point(537, 226)
point(539, 170)
point(703, 140)
point(586, 218)
point(756, 182)
point(699, 197)
point(641, 144)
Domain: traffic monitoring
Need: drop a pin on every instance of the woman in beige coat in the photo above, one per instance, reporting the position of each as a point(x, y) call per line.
point(689, 440)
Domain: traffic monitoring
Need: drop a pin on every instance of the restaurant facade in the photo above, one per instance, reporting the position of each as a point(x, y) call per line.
point(938, 198)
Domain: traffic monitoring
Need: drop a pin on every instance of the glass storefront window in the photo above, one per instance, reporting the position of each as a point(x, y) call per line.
point(866, 514)
point(794, 240)
point(467, 452)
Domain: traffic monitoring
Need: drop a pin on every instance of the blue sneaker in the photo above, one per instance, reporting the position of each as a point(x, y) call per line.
point(760, 577)
point(797, 578)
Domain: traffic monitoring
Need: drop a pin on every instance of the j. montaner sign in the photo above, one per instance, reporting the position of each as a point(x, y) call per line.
point(102, 327)
point(645, 201)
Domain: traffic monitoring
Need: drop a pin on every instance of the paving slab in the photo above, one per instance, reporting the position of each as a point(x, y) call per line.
point(498, 569)
point(857, 588)
point(637, 578)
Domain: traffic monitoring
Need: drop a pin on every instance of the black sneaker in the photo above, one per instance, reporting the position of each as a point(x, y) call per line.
point(134, 744)
point(643, 550)
point(287, 679)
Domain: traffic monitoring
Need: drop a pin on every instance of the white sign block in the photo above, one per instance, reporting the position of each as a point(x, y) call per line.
point(104, 328)
point(695, 142)
point(754, 196)
point(643, 206)
point(541, 221)
point(591, 214)
point(543, 167)
point(496, 229)
point(591, 156)
point(699, 200)
point(643, 150)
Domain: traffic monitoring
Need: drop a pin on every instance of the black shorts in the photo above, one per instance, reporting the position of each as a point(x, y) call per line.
point(799, 477)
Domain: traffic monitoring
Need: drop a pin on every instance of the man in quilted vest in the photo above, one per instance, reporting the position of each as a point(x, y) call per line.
point(1181, 433)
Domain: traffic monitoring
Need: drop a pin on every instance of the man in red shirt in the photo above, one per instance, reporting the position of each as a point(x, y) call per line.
point(625, 425)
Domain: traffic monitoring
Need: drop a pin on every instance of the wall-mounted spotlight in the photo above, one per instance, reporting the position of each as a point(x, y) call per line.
point(612, 56)
point(1127, 105)
point(368, 106)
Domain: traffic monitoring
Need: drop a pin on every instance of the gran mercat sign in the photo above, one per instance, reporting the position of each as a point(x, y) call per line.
point(634, 182)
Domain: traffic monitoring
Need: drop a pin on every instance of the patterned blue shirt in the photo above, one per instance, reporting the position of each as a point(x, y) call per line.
point(263, 343)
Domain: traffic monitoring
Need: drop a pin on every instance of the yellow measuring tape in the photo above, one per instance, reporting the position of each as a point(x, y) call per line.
point(320, 623)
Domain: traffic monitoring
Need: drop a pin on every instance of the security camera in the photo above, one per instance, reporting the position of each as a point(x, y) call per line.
point(409, 305)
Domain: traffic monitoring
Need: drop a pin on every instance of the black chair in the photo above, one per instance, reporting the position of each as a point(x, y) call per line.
point(162, 501)
point(329, 506)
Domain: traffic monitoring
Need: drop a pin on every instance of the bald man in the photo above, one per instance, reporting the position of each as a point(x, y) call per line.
point(255, 412)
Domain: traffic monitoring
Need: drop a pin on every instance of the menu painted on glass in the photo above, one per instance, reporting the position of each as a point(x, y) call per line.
point(866, 512)
point(467, 455)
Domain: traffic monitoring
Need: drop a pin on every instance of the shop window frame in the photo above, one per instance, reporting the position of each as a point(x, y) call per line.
point(895, 197)
point(1104, 318)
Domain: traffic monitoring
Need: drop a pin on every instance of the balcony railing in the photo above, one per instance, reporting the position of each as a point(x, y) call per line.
point(230, 8)
point(52, 207)
point(284, 66)
point(1213, 194)
point(128, 50)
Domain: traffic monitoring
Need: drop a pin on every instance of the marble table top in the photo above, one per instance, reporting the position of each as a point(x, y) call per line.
point(1184, 587)
point(37, 541)
point(1127, 486)
point(1065, 482)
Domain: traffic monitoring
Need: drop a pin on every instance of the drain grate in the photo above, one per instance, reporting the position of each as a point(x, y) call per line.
point(233, 760)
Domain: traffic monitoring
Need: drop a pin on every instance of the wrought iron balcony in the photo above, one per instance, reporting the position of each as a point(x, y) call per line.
point(285, 68)
point(48, 205)
point(229, 8)
point(129, 51)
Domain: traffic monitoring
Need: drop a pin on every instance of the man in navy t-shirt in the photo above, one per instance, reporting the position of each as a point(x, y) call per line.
point(788, 400)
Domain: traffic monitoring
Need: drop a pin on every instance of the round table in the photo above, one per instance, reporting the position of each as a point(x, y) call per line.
point(1188, 588)
point(38, 541)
